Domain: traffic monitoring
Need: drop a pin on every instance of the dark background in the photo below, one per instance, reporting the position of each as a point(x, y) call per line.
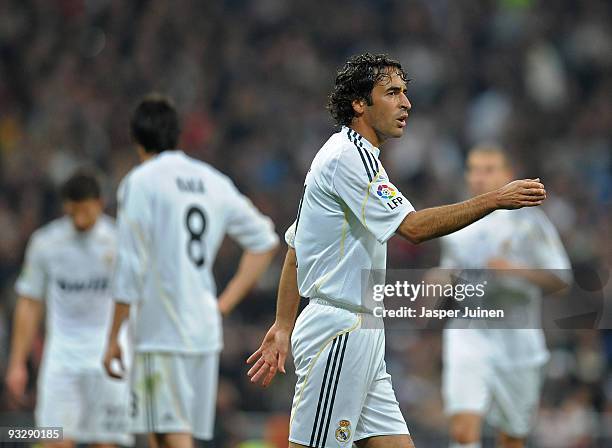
point(251, 79)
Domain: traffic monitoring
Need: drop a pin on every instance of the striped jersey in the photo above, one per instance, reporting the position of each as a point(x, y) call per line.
point(349, 209)
point(174, 212)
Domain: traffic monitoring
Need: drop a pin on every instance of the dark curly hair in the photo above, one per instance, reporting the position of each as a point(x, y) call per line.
point(356, 80)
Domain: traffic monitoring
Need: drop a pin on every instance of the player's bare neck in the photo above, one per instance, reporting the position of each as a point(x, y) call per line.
point(144, 155)
point(367, 132)
point(147, 156)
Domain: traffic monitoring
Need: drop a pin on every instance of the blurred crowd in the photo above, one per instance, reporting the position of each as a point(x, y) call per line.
point(251, 79)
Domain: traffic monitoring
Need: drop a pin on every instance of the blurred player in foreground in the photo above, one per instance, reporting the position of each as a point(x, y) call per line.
point(498, 372)
point(68, 270)
point(174, 212)
point(348, 211)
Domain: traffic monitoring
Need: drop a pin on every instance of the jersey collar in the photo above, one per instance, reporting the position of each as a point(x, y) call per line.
point(168, 152)
point(356, 138)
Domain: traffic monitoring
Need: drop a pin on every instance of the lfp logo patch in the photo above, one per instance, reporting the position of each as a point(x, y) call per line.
point(386, 191)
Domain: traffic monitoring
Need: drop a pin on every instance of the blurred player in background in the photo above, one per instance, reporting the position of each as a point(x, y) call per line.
point(174, 212)
point(349, 209)
point(498, 372)
point(68, 268)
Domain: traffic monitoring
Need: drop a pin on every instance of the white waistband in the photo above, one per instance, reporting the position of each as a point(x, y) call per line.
point(344, 306)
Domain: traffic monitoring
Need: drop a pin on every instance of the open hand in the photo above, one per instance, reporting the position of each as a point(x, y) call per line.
point(270, 356)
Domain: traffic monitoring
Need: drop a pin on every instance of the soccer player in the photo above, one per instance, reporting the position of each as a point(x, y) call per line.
point(68, 268)
point(174, 212)
point(498, 372)
point(348, 211)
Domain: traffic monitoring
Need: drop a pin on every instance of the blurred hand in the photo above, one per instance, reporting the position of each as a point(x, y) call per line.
point(270, 357)
point(113, 351)
point(225, 307)
point(17, 380)
point(500, 264)
point(521, 193)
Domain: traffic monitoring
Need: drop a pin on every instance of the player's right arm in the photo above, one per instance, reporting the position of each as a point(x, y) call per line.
point(28, 314)
point(113, 349)
point(26, 321)
point(434, 222)
point(271, 355)
point(254, 232)
point(134, 217)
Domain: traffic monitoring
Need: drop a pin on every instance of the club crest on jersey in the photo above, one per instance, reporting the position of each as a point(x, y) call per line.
point(343, 431)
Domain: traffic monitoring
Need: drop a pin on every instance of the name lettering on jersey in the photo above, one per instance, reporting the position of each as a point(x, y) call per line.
point(190, 185)
point(92, 285)
point(395, 203)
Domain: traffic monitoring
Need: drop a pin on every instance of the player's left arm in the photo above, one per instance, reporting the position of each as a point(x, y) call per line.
point(435, 222)
point(252, 266)
point(134, 217)
point(549, 266)
point(254, 232)
point(548, 281)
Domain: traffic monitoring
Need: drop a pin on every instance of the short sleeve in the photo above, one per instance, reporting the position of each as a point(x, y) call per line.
point(361, 183)
point(546, 248)
point(252, 230)
point(290, 236)
point(33, 278)
point(133, 222)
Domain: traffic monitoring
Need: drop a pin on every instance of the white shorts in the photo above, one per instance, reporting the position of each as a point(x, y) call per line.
point(90, 406)
point(174, 393)
point(508, 397)
point(343, 391)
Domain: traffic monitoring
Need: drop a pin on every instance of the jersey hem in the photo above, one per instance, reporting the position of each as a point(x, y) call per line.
point(534, 362)
point(393, 228)
point(29, 294)
point(262, 248)
point(377, 434)
point(299, 442)
point(121, 298)
point(176, 351)
point(465, 408)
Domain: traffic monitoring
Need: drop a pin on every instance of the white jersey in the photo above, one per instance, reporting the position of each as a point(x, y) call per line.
point(71, 272)
point(348, 211)
point(524, 237)
point(174, 212)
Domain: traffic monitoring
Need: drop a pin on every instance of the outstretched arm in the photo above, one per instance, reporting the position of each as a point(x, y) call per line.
point(271, 355)
point(434, 222)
